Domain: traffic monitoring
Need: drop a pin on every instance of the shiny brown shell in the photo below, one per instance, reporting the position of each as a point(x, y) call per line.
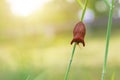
point(79, 33)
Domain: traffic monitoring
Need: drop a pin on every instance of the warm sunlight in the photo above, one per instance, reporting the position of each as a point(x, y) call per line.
point(25, 7)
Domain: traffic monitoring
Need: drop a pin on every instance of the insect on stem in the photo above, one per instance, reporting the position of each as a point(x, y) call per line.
point(73, 51)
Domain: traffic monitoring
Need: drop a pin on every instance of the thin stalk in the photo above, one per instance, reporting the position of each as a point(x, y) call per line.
point(73, 51)
point(81, 5)
point(71, 59)
point(107, 2)
point(107, 39)
point(84, 9)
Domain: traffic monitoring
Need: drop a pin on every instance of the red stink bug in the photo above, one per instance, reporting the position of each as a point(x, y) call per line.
point(79, 33)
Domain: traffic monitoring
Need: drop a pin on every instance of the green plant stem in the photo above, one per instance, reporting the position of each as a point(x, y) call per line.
point(84, 9)
point(107, 39)
point(71, 59)
point(73, 51)
point(81, 5)
point(107, 2)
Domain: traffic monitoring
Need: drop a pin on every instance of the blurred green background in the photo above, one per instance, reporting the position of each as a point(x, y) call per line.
point(35, 40)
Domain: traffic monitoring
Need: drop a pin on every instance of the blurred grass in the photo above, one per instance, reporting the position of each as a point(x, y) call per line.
point(44, 59)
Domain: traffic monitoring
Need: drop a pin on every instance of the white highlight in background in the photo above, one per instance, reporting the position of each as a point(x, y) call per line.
point(100, 6)
point(89, 15)
point(25, 7)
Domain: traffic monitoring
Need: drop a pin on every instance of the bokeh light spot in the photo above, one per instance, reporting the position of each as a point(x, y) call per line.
point(70, 1)
point(26, 7)
point(89, 15)
point(100, 6)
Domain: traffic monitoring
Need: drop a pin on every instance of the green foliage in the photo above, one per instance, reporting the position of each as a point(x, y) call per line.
point(113, 76)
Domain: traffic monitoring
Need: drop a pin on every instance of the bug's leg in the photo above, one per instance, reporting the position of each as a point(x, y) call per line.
point(79, 46)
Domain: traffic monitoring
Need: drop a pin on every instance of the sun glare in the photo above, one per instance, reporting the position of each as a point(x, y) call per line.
point(25, 7)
